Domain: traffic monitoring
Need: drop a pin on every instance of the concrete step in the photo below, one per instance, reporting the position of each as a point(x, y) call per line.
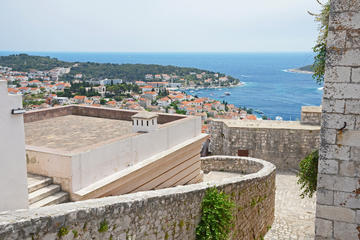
point(36, 182)
point(59, 197)
point(43, 193)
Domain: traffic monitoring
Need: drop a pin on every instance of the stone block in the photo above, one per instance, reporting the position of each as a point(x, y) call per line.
point(345, 20)
point(357, 220)
point(352, 106)
point(323, 228)
point(325, 181)
point(324, 196)
point(345, 231)
point(333, 106)
point(337, 121)
point(346, 184)
point(342, 90)
point(335, 213)
point(349, 168)
point(355, 154)
point(328, 136)
point(336, 39)
point(335, 152)
point(355, 78)
point(344, 199)
point(337, 74)
point(345, 5)
point(328, 166)
point(353, 39)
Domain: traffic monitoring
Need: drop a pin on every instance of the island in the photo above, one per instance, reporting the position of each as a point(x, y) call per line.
point(308, 69)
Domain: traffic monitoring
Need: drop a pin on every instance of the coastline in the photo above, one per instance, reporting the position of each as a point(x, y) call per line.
point(213, 87)
point(298, 71)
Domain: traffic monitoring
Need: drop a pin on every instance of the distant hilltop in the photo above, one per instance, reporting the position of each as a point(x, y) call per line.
point(308, 69)
point(127, 72)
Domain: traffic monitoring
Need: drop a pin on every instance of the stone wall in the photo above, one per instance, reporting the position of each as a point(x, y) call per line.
point(101, 112)
point(338, 202)
point(171, 213)
point(284, 144)
point(311, 115)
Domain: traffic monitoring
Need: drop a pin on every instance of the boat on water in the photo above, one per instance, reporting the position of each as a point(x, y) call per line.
point(278, 118)
point(227, 93)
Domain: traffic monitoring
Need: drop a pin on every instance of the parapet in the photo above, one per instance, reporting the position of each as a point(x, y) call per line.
point(311, 115)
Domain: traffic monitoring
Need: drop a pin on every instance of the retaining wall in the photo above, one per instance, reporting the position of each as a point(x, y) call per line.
point(171, 213)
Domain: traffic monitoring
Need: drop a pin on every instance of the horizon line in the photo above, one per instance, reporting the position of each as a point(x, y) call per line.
point(154, 52)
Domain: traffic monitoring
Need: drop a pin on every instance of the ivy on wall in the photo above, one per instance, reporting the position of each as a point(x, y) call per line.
point(307, 176)
point(216, 219)
point(320, 48)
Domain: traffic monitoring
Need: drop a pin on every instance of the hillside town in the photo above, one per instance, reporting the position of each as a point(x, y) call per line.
point(44, 89)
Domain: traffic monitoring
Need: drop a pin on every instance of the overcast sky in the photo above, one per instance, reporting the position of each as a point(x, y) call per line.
point(157, 25)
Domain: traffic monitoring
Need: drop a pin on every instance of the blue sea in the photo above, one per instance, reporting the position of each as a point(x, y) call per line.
point(267, 86)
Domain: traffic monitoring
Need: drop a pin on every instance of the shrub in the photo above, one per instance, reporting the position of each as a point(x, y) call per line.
point(307, 177)
point(216, 218)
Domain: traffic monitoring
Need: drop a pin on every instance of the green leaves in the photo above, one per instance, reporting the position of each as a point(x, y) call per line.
point(307, 177)
point(216, 219)
point(320, 47)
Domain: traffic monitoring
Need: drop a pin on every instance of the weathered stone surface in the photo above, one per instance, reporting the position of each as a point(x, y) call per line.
point(345, 20)
point(349, 200)
point(355, 75)
point(325, 197)
point(171, 213)
point(284, 144)
point(345, 231)
point(323, 228)
point(338, 75)
point(328, 166)
point(335, 213)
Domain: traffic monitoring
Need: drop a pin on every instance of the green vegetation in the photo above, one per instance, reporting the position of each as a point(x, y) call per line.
point(62, 232)
point(307, 176)
point(103, 226)
point(90, 70)
point(320, 48)
point(24, 62)
point(216, 219)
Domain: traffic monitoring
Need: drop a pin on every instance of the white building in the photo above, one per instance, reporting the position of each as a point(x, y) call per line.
point(144, 122)
point(13, 176)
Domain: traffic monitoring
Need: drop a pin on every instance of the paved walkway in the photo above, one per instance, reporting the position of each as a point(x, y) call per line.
point(294, 217)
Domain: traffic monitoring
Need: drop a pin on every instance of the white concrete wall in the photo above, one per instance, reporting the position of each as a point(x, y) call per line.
point(13, 176)
point(91, 166)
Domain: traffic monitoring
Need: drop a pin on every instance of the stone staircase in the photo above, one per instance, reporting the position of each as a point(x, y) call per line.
point(42, 192)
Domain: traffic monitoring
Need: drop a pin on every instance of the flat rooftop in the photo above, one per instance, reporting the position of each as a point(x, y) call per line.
point(271, 124)
point(72, 132)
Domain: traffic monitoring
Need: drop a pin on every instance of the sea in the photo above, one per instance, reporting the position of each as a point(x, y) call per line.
point(268, 88)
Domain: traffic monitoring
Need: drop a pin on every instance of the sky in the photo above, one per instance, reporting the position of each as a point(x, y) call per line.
point(158, 25)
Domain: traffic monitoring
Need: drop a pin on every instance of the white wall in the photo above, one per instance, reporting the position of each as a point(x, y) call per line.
point(96, 164)
point(13, 176)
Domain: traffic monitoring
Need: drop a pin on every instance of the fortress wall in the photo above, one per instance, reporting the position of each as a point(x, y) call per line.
point(338, 202)
point(171, 213)
point(285, 147)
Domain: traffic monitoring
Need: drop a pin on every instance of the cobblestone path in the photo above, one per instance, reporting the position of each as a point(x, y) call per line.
point(294, 217)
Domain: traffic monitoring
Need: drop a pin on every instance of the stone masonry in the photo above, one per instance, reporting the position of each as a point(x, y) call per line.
point(283, 143)
point(171, 213)
point(338, 199)
point(311, 115)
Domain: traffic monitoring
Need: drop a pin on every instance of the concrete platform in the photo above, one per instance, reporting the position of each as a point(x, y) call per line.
point(72, 132)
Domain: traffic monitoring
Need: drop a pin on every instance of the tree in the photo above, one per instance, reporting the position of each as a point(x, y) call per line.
point(102, 101)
